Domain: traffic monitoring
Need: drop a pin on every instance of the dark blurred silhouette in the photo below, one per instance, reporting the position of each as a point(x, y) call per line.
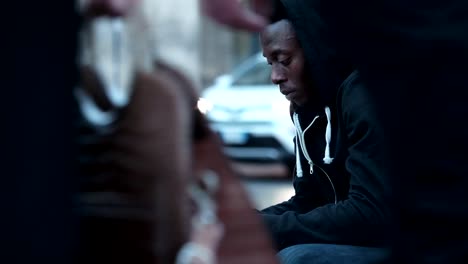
point(39, 44)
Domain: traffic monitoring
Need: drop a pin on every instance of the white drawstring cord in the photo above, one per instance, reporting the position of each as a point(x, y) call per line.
point(327, 159)
point(299, 172)
point(301, 136)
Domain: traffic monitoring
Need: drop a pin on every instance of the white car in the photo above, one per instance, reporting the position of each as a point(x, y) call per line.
point(250, 114)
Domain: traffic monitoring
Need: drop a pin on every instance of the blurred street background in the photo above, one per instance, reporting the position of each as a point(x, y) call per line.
point(219, 61)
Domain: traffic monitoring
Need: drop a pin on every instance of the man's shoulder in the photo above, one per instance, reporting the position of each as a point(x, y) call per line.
point(352, 89)
point(350, 83)
point(354, 98)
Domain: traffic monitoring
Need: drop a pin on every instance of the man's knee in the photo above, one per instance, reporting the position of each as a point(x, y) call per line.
point(329, 253)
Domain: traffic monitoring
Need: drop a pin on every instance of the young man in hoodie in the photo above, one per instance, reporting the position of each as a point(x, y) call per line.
point(338, 212)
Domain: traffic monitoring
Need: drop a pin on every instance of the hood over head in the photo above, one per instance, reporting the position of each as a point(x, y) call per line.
point(327, 68)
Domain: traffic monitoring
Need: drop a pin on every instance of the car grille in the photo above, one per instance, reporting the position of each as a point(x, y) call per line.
point(242, 123)
point(259, 142)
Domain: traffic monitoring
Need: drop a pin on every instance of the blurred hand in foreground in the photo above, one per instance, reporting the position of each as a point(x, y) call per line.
point(236, 15)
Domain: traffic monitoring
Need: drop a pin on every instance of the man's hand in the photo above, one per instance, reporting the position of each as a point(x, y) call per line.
point(234, 14)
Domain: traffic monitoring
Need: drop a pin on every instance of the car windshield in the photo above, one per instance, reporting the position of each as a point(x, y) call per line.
point(259, 74)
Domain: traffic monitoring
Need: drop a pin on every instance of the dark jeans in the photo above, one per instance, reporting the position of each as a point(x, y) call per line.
point(331, 254)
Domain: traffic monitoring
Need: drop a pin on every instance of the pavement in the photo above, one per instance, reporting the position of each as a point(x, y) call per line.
point(266, 184)
point(266, 192)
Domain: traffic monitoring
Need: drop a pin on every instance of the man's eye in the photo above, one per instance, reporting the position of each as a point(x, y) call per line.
point(285, 62)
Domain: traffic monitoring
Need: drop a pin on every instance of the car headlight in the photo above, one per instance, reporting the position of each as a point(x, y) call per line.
point(204, 105)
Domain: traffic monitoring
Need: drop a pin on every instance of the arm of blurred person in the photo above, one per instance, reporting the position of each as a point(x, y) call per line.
point(107, 7)
point(228, 12)
point(236, 15)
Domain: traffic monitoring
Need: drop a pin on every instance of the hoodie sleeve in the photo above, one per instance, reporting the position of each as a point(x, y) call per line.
point(280, 208)
point(303, 201)
point(361, 218)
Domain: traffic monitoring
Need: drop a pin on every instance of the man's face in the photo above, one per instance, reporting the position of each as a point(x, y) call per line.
point(282, 51)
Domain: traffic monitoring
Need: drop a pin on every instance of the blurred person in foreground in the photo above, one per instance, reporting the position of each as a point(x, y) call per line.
point(338, 213)
point(135, 137)
point(144, 148)
point(38, 138)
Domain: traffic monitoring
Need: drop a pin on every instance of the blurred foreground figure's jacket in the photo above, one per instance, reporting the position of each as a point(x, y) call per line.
point(142, 144)
point(132, 201)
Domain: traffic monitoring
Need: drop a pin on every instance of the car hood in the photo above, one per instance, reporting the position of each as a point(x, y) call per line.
point(244, 96)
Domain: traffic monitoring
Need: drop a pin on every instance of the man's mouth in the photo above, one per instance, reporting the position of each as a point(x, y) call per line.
point(286, 91)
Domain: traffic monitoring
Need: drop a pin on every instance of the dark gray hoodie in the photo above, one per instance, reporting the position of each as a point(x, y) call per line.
point(339, 188)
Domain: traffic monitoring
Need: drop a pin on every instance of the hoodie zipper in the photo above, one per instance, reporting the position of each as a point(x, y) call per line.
point(301, 135)
point(331, 183)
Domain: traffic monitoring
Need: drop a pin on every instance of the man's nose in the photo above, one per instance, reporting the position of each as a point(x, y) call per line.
point(277, 76)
